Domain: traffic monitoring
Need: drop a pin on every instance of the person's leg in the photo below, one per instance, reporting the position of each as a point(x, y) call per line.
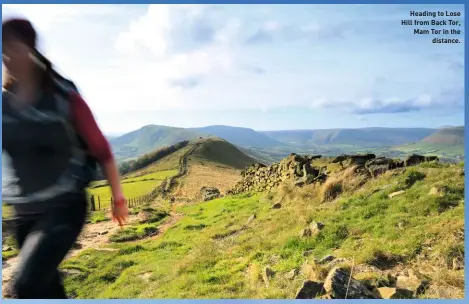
point(43, 250)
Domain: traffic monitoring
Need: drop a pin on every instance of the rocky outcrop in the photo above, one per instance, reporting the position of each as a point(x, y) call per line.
point(340, 285)
point(209, 193)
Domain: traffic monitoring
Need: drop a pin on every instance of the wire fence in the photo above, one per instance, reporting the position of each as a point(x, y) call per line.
point(98, 203)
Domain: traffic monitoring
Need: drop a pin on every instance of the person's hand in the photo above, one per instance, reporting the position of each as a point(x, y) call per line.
point(120, 212)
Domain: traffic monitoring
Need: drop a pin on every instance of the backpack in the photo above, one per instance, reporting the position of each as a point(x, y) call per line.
point(65, 87)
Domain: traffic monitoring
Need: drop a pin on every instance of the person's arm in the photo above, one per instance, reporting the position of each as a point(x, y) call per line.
point(86, 126)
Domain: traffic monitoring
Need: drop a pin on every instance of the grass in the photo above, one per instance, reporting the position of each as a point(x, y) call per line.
point(130, 190)
point(213, 253)
point(10, 242)
point(219, 151)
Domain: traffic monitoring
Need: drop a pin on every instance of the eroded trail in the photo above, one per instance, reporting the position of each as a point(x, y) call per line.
point(95, 236)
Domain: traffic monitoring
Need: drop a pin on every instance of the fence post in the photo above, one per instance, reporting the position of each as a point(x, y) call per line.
point(93, 205)
point(99, 203)
point(112, 203)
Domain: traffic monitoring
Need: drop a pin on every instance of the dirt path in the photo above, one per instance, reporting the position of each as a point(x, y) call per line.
point(93, 236)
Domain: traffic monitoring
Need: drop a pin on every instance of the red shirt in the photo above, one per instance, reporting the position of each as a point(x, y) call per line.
point(86, 126)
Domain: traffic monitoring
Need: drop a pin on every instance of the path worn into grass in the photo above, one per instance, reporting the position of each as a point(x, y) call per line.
point(95, 236)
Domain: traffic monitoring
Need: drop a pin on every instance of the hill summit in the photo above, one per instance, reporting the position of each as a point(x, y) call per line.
point(446, 136)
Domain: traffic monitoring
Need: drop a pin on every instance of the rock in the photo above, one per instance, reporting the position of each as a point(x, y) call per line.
point(394, 293)
point(437, 191)
point(209, 193)
point(306, 232)
point(307, 253)
point(413, 160)
point(77, 246)
point(326, 259)
point(310, 290)
point(411, 282)
point(104, 232)
point(432, 159)
point(316, 227)
point(458, 264)
point(394, 194)
point(251, 218)
point(292, 274)
point(276, 206)
point(267, 274)
point(341, 285)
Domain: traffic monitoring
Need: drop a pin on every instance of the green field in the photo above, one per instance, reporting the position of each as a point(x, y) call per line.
point(133, 185)
point(209, 254)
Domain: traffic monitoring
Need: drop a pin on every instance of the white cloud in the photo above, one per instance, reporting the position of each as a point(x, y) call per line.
point(144, 57)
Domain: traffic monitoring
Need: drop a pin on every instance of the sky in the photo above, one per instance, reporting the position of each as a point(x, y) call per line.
point(266, 67)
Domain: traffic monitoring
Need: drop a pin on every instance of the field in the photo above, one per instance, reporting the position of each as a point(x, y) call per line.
point(133, 185)
point(214, 252)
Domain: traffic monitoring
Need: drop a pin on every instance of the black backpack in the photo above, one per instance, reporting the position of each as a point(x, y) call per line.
point(65, 87)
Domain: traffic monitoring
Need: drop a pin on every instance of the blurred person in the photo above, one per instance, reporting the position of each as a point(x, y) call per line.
point(53, 144)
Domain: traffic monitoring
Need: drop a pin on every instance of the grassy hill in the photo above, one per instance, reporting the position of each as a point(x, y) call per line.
point(217, 249)
point(212, 162)
point(451, 136)
point(447, 143)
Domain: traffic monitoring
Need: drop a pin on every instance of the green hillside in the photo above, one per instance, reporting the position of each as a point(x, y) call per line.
point(220, 151)
point(218, 250)
point(447, 143)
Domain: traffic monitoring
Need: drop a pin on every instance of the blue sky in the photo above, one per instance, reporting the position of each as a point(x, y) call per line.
point(266, 67)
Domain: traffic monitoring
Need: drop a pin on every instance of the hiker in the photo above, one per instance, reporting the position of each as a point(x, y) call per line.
point(53, 144)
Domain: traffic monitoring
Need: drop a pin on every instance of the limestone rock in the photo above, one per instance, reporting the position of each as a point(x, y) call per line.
point(310, 290)
point(437, 191)
point(316, 227)
point(412, 282)
point(340, 285)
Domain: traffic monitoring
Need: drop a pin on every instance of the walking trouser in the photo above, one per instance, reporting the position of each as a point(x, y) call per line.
point(44, 241)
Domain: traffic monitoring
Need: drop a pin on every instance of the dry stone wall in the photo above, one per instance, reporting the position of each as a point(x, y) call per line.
point(259, 177)
point(302, 171)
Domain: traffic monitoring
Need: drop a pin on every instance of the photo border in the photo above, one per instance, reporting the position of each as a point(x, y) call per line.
point(466, 136)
